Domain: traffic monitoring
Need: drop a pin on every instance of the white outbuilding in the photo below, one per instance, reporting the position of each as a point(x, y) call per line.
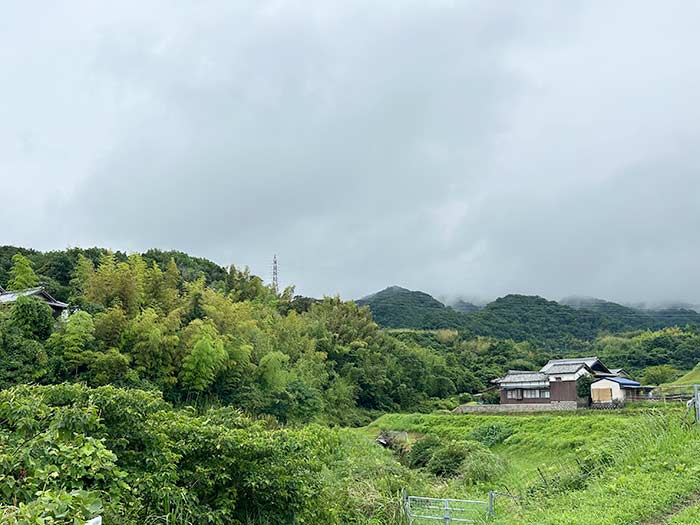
point(613, 389)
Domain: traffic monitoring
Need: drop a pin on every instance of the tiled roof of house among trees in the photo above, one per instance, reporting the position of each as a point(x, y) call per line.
point(39, 292)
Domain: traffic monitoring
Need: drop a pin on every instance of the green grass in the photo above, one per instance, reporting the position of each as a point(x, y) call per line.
point(653, 476)
point(545, 441)
point(691, 378)
point(687, 516)
point(656, 469)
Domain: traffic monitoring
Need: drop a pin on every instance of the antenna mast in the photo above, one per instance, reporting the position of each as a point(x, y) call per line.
point(275, 281)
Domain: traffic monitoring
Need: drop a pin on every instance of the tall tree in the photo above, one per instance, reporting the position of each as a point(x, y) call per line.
point(200, 367)
point(33, 317)
point(22, 274)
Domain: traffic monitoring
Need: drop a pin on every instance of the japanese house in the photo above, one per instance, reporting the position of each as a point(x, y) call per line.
point(555, 382)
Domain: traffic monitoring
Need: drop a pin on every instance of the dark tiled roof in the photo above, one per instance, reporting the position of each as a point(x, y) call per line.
point(588, 361)
point(522, 376)
point(565, 368)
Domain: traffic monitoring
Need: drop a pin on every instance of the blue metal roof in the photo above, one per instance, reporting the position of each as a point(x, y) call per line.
point(622, 381)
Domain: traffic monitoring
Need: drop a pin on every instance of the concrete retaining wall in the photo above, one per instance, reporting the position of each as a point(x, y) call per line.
point(517, 407)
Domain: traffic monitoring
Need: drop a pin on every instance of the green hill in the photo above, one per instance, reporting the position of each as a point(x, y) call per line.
point(525, 317)
point(620, 318)
point(566, 324)
point(691, 378)
point(397, 307)
point(617, 316)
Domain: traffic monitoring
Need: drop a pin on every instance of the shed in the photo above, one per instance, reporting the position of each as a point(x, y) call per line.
point(611, 389)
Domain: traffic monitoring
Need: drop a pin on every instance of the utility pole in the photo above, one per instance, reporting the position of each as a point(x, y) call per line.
point(275, 277)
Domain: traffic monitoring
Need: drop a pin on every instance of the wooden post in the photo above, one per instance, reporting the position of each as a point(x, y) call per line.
point(696, 399)
point(491, 511)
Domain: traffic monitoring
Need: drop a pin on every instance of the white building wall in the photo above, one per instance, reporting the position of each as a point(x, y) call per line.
point(618, 394)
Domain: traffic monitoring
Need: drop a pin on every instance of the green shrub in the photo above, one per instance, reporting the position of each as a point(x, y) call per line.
point(447, 460)
point(482, 465)
point(491, 434)
point(465, 397)
point(422, 450)
point(54, 508)
point(491, 398)
point(137, 460)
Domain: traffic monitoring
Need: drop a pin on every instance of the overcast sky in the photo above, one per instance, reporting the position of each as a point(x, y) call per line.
point(458, 147)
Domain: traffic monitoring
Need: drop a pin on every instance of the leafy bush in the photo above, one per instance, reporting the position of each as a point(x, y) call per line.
point(465, 397)
point(54, 508)
point(67, 451)
point(447, 460)
point(422, 451)
point(481, 465)
point(491, 398)
point(491, 434)
point(659, 374)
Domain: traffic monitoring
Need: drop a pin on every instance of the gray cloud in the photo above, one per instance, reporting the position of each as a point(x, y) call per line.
point(464, 148)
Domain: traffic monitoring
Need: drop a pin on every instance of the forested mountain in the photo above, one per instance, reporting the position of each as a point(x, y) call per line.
point(397, 307)
point(620, 317)
point(525, 317)
point(522, 317)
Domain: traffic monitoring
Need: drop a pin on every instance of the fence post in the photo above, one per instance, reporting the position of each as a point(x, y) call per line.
point(491, 511)
point(696, 399)
point(447, 512)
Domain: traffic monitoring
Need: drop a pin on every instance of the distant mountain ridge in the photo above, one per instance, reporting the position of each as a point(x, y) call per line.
point(396, 307)
point(643, 317)
point(521, 317)
point(464, 306)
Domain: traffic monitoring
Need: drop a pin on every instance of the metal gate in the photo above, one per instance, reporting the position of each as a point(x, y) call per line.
point(427, 511)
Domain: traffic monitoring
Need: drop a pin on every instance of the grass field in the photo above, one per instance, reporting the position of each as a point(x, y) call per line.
point(651, 474)
point(689, 515)
point(691, 378)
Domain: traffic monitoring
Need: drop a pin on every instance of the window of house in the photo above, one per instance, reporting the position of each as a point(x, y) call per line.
point(544, 394)
point(531, 394)
point(514, 394)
